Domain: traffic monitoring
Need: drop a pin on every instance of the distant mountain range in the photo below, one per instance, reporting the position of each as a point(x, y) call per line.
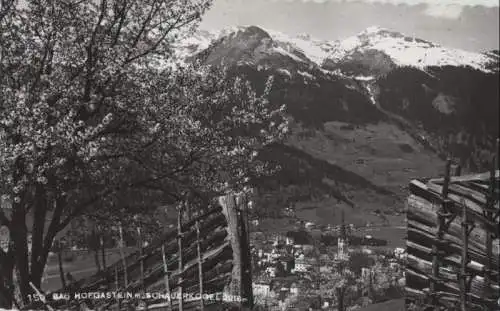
point(374, 43)
point(369, 112)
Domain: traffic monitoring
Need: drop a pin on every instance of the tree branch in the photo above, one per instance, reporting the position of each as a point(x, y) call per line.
point(5, 8)
point(172, 26)
point(53, 228)
point(90, 63)
point(151, 13)
point(77, 210)
point(123, 15)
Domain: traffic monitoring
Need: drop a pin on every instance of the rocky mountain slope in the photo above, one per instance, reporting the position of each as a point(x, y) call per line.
point(369, 113)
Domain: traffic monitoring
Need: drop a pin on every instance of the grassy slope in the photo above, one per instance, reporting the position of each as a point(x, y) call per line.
point(369, 165)
point(381, 153)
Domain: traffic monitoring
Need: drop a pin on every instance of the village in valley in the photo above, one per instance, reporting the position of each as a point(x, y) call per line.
point(324, 268)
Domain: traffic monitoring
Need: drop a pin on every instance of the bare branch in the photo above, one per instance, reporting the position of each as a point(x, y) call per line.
point(172, 26)
point(122, 13)
point(147, 20)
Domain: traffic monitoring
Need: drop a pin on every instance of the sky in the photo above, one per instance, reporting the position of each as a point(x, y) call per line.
point(471, 25)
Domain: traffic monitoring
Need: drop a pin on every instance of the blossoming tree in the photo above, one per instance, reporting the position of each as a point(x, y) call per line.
point(96, 119)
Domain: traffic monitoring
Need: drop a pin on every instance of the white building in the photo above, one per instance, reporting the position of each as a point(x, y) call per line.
point(365, 273)
point(261, 289)
point(325, 269)
point(305, 247)
point(393, 264)
point(271, 271)
point(400, 253)
point(274, 254)
point(366, 250)
point(301, 265)
point(343, 250)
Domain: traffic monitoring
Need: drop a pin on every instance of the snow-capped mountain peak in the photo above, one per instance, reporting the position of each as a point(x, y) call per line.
point(406, 51)
point(314, 49)
point(376, 43)
point(373, 30)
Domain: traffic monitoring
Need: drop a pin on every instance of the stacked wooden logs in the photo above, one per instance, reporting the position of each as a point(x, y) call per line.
point(474, 197)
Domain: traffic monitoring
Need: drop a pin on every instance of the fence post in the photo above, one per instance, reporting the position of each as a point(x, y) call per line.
point(443, 210)
point(117, 288)
point(167, 284)
point(179, 243)
point(200, 264)
point(122, 255)
point(465, 259)
point(141, 254)
point(103, 251)
point(489, 216)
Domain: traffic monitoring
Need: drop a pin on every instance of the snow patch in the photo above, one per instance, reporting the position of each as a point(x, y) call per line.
point(371, 93)
point(351, 87)
point(306, 74)
point(286, 53)
point(284, 71)
point(363, 78)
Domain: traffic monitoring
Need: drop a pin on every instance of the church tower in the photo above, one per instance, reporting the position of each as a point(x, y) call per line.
point(343, 241)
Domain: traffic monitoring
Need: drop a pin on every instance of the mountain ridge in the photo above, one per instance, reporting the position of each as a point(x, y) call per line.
point(393, 44)
point(363, 114)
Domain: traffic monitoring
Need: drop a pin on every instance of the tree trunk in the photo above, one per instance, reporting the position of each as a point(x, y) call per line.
point(246, 290)
point(59, 204)
point(6, 280)
point(36, 274)
point(17, 294)
point(19, 237)
point(40, 211)
point(229, 209)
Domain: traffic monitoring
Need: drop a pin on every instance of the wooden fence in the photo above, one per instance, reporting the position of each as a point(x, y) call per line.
point(453, 241)
point(208, 265)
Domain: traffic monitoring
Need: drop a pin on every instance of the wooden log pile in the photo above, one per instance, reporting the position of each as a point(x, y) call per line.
point(462, 209)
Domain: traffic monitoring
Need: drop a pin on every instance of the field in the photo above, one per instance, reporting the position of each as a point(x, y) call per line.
point(82, 266)
point(391, 305)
